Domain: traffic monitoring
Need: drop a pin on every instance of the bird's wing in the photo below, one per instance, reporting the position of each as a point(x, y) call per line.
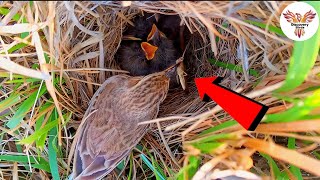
point(290, 17)
point(105, 137)
point(308, 17)
point(102, 146)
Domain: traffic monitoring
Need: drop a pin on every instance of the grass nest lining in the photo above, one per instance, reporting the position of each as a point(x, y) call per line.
point(74, 43)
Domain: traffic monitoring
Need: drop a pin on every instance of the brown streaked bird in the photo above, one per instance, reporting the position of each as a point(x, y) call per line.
point(110, 128)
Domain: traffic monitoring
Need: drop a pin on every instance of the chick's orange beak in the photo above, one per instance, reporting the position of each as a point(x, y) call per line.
point(154, 32)
point(149, 50)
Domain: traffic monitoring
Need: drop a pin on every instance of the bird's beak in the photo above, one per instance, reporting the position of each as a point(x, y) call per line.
point(155, 33)
point(149, 50)
point(170, 71)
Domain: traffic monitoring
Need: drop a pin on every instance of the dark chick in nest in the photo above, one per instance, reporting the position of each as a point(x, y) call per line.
point(171, 26)
point(143, 57)
point(142, 27)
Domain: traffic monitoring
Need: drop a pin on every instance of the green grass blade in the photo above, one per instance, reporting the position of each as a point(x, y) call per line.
point(19, 147)
point(9, 102)
point(130, 166)
point(45, 109)
point(303, 59)
point(16, 17)
point(30, 139)
point(23, 80)
point(295, 170)
point(7, 74)
point(52, 153)
point(154, 164)
point(157, 166)
point(40, 142)
point(275, 169)
point(216, 137)
point(232, 67)
point(207, 148)
point(270, 28)
point(316, 154)
point(25, 108)
point(310, 117)
point(41, 166)
point(38, 163)
point(149, 164)
point(218, 127)
point(286, 98)
point(23, 158)
point(18, 46)
point(298, 111)
point(120, 166)
point(191, 168)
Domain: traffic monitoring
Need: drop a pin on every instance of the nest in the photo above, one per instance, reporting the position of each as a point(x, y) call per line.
point(80, 42)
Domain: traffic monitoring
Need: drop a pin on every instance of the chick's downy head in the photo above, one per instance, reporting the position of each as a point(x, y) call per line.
point(145, 57)
point(165, 54)
point(142, 26)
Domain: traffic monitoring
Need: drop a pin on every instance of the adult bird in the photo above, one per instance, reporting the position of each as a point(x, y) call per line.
point(110, 125)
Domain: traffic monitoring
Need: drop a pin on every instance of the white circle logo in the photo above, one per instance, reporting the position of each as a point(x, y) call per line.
point(299, 21)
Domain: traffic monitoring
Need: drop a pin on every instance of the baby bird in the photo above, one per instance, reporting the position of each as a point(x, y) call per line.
point(170, 26)
point(110, 128)
point(153, 44)
point(146, 57)
point(142, 26)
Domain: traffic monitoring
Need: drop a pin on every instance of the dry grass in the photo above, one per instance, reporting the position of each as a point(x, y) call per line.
point(69, 49)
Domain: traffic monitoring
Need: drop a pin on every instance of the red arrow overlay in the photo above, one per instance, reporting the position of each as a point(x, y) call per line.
point(243, 109)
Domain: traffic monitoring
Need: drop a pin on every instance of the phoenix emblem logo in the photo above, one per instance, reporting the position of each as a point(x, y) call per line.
point(299, 21)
